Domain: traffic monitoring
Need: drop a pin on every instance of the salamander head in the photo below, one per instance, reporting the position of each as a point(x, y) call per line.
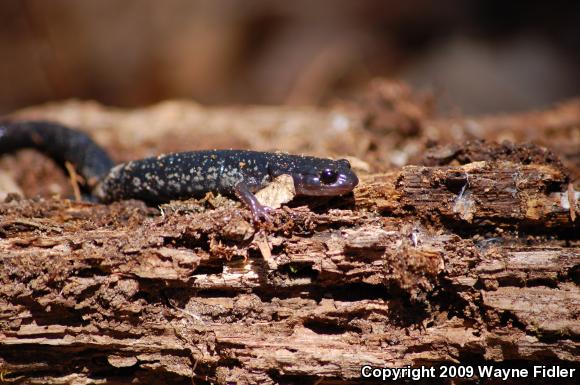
point(325, 178)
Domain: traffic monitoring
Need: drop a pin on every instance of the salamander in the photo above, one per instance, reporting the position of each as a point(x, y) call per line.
point(179, 175)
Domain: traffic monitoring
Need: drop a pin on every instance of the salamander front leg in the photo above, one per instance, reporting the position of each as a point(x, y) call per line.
point(259, 212)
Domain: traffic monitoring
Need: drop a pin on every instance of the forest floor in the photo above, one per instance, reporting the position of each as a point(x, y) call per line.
point(460, 246)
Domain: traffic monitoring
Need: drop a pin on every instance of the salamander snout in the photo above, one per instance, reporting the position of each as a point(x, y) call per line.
point(335, 178)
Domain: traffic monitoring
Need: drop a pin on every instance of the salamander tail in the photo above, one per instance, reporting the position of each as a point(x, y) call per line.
point(60, 143)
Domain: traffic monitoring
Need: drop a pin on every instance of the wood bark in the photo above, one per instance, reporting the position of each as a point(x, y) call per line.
point(459, 261)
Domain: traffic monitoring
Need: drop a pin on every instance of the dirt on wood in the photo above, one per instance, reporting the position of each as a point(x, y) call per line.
point(456, 248)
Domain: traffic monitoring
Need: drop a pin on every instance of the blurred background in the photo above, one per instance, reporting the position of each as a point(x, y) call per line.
point(476, 56)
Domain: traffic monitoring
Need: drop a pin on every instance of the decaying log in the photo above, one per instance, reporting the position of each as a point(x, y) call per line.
point(466, 261)
point(477, 193)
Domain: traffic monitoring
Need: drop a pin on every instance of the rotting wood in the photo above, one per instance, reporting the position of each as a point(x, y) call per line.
point(340, 290)
point(429, 264)
point(496, 192)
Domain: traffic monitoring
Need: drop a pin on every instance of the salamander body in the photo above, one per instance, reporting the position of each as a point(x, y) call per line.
point(179, 175)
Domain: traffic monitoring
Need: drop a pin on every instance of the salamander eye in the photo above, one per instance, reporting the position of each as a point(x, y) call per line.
point(328, 176)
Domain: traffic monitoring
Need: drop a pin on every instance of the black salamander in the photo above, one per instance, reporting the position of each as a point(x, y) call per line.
point(179, 175)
